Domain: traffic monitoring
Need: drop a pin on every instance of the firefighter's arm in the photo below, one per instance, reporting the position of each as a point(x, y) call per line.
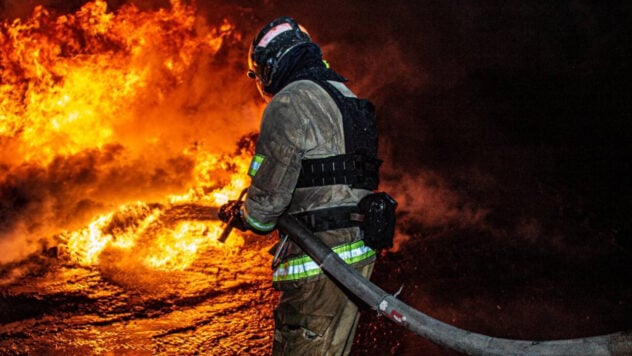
point(276, 164)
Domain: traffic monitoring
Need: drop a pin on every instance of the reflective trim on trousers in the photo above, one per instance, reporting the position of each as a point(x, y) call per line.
point(304, 267)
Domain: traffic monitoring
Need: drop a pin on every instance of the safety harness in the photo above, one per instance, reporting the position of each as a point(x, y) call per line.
point(331, 218)
point(359, 168)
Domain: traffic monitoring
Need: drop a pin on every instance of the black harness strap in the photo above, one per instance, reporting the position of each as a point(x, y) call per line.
point(331, 218)
point(360, 167)
point(358, 121)
point(355, 170)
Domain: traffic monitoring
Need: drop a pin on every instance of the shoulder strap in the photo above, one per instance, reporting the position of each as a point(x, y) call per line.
point(359, 166)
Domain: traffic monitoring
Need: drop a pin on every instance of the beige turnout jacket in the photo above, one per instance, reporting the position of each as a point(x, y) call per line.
point(301, 122)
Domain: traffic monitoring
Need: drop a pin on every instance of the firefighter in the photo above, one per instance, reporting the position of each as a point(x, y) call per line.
point(315, 158)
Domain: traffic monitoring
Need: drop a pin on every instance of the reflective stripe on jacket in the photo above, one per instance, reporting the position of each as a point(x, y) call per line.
point(303, 266)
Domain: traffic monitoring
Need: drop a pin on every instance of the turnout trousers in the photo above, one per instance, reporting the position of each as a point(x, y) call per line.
point(316, 318)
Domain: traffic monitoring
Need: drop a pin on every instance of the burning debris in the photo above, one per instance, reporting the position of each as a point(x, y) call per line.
point(115, 154)
point(97, 109)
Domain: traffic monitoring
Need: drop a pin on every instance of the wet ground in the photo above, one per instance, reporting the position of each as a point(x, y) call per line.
point(501, 288)
point(222, 303)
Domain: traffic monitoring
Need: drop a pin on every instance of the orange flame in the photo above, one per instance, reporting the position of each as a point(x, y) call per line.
point(62, 75)
point(138, 229)
point(83, 81)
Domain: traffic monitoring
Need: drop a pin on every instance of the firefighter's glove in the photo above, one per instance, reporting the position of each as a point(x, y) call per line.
point(230, 213)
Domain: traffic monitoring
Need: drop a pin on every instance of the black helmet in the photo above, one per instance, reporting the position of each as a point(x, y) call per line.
point(273, 42)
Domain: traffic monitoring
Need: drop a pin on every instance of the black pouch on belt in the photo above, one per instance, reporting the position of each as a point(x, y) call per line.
point(378, 224)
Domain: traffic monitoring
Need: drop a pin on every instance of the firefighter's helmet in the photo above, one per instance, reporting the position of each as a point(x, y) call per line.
point(274, 41)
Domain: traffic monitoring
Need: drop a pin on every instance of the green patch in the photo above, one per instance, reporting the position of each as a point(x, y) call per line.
point(257, 160)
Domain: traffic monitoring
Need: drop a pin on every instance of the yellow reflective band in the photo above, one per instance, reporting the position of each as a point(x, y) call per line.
point(304, 267)
point(255, 164)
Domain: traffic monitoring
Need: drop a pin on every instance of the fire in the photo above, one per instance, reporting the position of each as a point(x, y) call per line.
point(83, 82)
point(86, 244)
point(69, 81)
point(140, 225)
point(143, 232)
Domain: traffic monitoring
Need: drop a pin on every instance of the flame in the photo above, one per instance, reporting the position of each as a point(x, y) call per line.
point(85, 245)
point(62, 75)
point(168, 247)
point(140, 230)
point(86, 81)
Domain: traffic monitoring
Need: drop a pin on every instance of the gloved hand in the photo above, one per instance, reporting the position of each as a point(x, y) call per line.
point(231, 213)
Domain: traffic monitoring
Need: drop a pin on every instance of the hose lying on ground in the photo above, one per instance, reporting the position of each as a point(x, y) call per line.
point(433, 329)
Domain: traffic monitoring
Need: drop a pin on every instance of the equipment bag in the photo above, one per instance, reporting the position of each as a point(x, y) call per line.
point(378, 224)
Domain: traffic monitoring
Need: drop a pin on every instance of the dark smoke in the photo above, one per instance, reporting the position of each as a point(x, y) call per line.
point(504, 128)
point(516, 110)
point(37, 201)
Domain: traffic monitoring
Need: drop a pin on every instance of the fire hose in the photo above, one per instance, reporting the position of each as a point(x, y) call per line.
point(436, 331)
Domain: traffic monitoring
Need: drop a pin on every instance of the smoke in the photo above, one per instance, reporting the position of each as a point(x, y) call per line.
point(37, 201)
point(507, 118)
point(154, 137)
point(15, 246)
point(426, 203)
point(14, 9)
